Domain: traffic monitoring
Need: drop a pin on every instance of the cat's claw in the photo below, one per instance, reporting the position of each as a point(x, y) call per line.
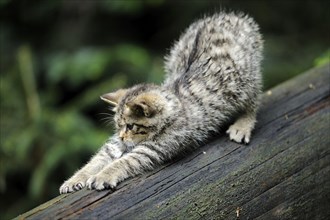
point(108, 186)
point(68, 187)
point(241, 130)
point(78, 186)
point(64, 190)
point(100, 183)
point(239, 134)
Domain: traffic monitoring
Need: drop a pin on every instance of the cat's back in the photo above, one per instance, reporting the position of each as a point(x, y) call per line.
point(214, 46)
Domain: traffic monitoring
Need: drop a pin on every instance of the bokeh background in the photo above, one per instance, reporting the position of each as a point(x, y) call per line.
point(58, 56)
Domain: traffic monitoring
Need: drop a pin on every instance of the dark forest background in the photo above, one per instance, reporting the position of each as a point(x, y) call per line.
point(58, 56)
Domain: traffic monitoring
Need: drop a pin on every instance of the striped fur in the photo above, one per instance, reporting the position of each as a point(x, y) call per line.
point(213, 75)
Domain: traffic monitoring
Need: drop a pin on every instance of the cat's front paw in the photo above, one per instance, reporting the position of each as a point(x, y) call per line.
point(101, 182)
point(71, 186)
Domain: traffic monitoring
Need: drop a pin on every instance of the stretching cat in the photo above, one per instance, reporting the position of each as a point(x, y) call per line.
point(213, 74)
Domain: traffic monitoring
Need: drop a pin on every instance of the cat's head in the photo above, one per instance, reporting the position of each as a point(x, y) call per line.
point(139, 112)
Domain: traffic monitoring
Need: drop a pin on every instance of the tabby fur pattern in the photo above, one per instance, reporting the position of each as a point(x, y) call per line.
point(212, 77)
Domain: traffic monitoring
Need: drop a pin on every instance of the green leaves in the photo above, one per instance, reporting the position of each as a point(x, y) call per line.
point(85, 64)
point(91, 64)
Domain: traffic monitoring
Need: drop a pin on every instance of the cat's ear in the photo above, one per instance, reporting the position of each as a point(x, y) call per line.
point(146, 105)
point(113, 98)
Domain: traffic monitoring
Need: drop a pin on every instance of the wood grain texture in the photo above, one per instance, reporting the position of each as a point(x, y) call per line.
point(282, 174)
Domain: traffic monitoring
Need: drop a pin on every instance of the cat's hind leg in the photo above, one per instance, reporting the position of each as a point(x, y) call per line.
point(242, 128)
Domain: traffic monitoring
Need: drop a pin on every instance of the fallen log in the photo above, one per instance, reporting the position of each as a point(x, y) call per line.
point(282, 174)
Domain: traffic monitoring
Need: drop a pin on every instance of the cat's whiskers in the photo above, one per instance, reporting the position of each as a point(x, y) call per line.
point(108, 120)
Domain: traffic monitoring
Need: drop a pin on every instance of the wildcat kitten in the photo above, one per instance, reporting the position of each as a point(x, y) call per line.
point(213, 73)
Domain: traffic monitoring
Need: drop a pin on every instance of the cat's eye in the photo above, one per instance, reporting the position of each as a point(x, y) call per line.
point(129, 126)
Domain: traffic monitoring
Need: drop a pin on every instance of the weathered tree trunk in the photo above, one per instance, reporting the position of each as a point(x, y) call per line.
point(284, 173)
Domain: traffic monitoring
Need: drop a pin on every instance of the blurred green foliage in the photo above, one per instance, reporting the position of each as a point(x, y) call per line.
point(58, 57)
point(323, 59)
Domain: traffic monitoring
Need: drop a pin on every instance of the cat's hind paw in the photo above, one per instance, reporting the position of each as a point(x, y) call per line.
point(239, 134)
point(241, 130)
